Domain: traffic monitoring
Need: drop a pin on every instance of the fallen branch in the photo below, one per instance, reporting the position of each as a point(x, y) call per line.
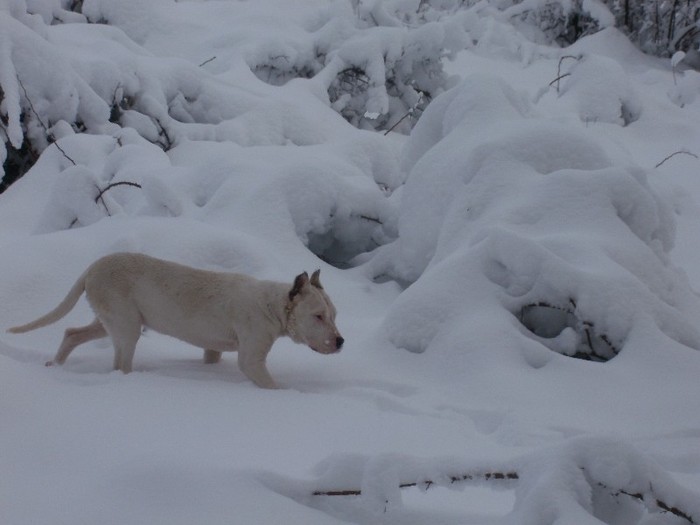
point(427, 483)
point(651, 501)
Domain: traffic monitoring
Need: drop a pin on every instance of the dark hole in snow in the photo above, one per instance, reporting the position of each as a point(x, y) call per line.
point(279, 71)
point(17, 163)
point(562, 330)
point(628, 114)
point(346, 238)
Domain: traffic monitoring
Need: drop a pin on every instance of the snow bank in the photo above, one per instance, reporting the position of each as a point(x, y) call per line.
point(614, 101)
point(533, 223)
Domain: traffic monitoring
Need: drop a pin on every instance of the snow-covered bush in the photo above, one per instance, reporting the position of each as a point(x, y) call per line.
point(41, 96)
point(391, 63)
point(377, 61)
point(112, 111)
point(61, 75)
point(91, 78)
point(560, 21)
point(614, 101)
point(81, 66)
point(533, 220)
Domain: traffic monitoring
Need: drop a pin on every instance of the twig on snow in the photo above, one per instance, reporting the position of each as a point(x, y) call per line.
point(207, 61)
point(559, 75)
point(370, 219)
point(427, 483)
point(558, 79)
point(109, 187)
point(162, 132)
point(649, 499)
point(409, 113)
point(681, 152)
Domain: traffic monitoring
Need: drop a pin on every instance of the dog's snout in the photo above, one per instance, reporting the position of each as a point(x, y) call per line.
point(339, 342)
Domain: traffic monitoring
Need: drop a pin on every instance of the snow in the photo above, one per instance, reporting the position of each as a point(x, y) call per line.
point(522, 224)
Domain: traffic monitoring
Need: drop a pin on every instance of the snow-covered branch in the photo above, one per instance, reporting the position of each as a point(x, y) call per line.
point(581, 477)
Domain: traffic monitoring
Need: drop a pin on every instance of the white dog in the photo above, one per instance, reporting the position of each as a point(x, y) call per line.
point(220, 312)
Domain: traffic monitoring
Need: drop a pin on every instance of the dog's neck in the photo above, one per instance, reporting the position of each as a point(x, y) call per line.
point(290, 321)
point(281, 309)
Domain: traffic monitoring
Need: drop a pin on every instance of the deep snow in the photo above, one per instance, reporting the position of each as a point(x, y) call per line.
point(519, 223)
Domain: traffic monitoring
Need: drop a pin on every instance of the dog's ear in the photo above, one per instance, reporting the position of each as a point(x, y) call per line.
point(300, 281)
point(315, 279)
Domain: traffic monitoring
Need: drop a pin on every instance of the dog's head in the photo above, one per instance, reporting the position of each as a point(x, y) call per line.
point(311, 315)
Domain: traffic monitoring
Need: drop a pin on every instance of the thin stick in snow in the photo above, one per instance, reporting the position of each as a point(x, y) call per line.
point(427, 483)
point(50, 136)
point(650, 499)
point(681, 152)
point(109, 187)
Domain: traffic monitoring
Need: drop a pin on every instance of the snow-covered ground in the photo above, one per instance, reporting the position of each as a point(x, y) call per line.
point(522, 222)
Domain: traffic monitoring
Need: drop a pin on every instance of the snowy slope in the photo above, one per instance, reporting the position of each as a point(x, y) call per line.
point(522, 222)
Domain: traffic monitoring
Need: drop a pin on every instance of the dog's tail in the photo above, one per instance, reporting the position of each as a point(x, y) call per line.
point(57, 313)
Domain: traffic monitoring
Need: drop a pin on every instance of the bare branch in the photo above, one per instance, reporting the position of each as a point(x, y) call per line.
point(427, 483)
point(681, 152)
point(207, 61)
point(408, 114)
point(649, 498)
point(558, 79)
point(370, 219)
point(162, 132)
point(559, 75)
point(109, 187)
point(49, 135)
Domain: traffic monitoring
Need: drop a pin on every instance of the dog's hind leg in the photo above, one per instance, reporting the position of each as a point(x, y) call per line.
point(125, 332)
point(211, 357)
point(77, 336)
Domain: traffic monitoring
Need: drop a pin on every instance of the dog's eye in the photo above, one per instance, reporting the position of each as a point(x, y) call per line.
point(319, 317)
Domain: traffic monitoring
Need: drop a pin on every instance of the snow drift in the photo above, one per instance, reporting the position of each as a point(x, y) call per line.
point(532, 220)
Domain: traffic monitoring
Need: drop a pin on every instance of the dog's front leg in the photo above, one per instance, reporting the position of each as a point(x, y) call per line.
point(251, 361)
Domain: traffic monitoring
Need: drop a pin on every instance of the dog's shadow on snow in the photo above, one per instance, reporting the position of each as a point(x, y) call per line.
point(162, 357)
point(95, 359)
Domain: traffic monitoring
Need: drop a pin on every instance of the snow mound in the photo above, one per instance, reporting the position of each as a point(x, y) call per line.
point(614, 101)
point(532, 223)
point(587, 479)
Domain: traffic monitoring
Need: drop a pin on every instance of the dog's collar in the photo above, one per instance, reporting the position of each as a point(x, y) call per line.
point(291, 320)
